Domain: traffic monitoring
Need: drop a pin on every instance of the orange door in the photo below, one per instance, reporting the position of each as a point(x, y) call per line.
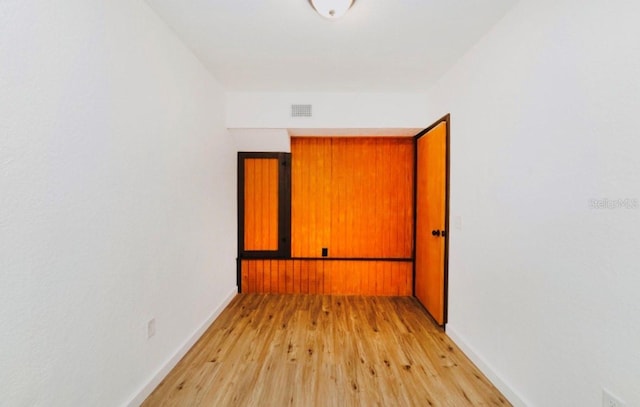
point(431, 219)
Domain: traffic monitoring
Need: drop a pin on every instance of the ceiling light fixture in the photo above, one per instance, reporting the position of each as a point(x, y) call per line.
point(331, 9)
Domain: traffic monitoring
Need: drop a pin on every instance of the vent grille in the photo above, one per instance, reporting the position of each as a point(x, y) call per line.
point(300, 110)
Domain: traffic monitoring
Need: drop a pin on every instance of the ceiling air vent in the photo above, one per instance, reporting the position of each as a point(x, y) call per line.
point(300, 110)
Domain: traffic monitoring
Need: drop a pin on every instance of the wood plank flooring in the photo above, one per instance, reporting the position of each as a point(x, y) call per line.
point(314, 350)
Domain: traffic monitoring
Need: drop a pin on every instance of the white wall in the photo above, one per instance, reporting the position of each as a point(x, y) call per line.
point(117, 200)
point(262, 140)
point(279, 140)
point(545, 117)
point(247, 110)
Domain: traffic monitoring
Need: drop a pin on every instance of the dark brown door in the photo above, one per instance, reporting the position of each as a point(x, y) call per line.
point(432, 167)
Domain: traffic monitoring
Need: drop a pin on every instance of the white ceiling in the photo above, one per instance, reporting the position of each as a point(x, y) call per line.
point(283, 45)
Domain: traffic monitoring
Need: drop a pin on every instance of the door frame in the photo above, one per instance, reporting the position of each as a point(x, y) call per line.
point(284, 206)
point(447, 120)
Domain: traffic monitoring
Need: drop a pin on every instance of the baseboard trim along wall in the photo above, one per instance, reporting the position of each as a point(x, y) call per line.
point(146, 390)
point(506, 389)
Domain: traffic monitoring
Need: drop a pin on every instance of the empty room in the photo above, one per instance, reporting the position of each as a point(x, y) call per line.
point(319, 203)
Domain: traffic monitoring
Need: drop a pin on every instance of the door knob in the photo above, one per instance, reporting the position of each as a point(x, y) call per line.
point(438, 233)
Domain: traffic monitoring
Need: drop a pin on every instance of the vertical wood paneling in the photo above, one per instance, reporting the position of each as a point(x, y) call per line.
point(336, 218)
point(364, 281)
point(261, 204)
point(245, 283)
point(408, 214)
point(353, 196)
point(310, 196)
point(297, 277)
point(304, 277)
point(264, 280)
point(279, 264)
point(289, 276)
point(327, 277)
point(250, 277)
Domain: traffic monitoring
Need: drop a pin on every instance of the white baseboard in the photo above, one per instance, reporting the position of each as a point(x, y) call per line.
point(504, 387)
point(155, 380)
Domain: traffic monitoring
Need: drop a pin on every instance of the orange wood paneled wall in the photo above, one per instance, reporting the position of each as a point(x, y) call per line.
point(311, 193)
point(338, 277)
point(261, 204)
point(353, 196)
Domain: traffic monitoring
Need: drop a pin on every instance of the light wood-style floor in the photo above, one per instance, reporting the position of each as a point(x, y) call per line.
point(313, 350)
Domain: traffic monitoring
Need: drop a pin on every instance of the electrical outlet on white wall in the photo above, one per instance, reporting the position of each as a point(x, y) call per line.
point(609, 400)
